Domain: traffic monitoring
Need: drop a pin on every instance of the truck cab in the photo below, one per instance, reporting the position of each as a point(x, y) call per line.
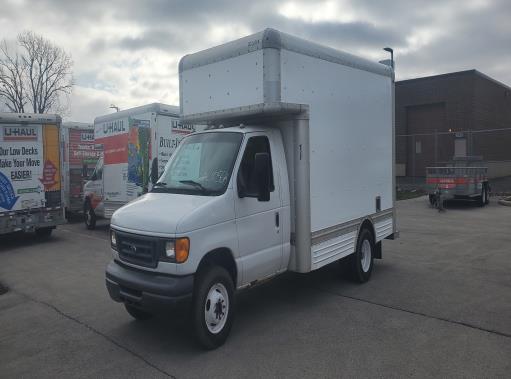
point(93, 206)
point(219, 187)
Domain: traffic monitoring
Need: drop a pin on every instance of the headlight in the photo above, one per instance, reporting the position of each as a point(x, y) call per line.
point(177, 251)
point(113, 239)
point(169, 250)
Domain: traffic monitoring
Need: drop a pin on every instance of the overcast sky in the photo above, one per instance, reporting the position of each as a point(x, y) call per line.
point(127, 52)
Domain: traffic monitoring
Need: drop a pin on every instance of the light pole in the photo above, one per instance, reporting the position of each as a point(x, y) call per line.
point(112, 106)
point(391, 51)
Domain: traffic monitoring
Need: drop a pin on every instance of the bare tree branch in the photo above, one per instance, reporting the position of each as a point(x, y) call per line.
point(40, 74)
point(12, 73)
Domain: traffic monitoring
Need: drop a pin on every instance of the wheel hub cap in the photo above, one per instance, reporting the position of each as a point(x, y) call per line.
point(216, 308)
point(365, 257)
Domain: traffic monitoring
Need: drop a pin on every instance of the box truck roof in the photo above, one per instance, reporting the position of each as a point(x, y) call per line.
point(274, 39)
point(77, 125)
point(30, 118)
point(158, 108)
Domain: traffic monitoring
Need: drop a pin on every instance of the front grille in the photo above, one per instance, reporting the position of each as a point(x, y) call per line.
point(138, 250)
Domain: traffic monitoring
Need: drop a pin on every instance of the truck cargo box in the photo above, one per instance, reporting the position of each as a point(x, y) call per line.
point(30, 172)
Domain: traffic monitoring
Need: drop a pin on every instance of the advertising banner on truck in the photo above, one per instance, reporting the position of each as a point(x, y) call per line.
point(82, 149)
point(29, 165)
point(127, 153)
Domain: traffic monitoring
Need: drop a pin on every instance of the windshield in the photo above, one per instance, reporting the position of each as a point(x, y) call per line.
point(202, 164)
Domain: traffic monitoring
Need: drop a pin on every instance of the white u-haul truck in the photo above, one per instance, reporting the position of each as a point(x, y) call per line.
point(137, 144)
point(30, 173)
point(294, 173)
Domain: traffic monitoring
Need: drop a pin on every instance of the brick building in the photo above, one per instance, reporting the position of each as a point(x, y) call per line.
point(462, 113)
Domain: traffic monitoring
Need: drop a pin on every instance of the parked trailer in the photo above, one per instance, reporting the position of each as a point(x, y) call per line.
point(80, 155)
point(462, 178)
point(30, 173)
point(137, 143)
point(295, 172)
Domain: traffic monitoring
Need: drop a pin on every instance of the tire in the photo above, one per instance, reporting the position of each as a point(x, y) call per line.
point(214, 287)
point(43, 233)
point(361, 262)
point(137, 314)
point(482, 200)
point(89, 216)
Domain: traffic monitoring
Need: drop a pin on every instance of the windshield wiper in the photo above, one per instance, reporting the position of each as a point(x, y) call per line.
point(160, 184)
point(194, 183)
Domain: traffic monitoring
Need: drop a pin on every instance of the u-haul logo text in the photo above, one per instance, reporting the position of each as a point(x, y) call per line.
point(19, 133)
point(113, 127)
point(87, 136)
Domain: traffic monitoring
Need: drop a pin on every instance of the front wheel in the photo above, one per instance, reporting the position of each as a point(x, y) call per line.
point(213, 307)
point(483, 199)
point(89, 215)
point(362, 259)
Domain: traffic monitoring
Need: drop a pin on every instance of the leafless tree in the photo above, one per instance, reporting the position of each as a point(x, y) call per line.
point(40, 74)
point(12, 75)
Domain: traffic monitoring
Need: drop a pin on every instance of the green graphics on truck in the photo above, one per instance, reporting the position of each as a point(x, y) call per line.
point(26, 169)
point(139, 150)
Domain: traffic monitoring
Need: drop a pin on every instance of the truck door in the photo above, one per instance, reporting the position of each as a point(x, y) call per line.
point(93, 188)
point(258, 222)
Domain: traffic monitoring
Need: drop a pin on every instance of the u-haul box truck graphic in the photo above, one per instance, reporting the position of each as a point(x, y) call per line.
point(80, 154)
point(135, 143)
point(30, 172)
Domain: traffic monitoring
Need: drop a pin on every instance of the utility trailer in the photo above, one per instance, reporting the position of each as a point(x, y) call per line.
point(462, 178)
point(30, 173)
point(294, 172)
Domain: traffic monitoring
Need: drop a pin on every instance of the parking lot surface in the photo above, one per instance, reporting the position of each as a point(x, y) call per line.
point(438, 305)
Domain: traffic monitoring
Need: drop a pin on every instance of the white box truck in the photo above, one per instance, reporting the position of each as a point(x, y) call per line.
point(294, 172)
point(137, 144)
point(80, 155)
point(30, 173)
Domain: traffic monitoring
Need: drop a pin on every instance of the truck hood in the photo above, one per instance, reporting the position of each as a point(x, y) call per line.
point(169, 214)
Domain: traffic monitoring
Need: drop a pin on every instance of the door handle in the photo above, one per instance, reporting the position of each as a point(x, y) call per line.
point(277, 219)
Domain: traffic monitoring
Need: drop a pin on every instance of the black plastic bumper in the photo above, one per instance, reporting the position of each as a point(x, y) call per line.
point(147, 290)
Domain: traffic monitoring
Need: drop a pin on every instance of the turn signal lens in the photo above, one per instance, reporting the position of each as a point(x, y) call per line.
point(182, 249)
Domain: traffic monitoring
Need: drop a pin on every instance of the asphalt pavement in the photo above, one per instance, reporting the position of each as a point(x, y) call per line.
point(438, 305)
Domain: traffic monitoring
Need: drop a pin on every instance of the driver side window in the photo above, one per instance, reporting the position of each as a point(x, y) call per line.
point(246, 174)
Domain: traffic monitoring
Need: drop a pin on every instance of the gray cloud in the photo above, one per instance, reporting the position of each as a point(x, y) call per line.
point(128, 50)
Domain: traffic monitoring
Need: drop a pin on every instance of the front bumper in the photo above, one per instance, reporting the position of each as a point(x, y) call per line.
point(147, 290)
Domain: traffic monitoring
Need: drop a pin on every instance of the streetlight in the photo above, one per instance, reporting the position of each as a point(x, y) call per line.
point(391, 51)
point(112, 106)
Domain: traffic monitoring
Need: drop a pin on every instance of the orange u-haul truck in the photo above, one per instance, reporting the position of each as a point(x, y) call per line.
point(30, 173)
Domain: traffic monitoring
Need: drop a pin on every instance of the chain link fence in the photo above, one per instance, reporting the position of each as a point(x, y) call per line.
point(415, 152)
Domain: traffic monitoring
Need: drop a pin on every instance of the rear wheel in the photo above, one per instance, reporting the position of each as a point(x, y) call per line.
point(43, 232)
point(483, 199)
point(89, 216)
point(362, 259)
point(137, 314)
point(213, 307)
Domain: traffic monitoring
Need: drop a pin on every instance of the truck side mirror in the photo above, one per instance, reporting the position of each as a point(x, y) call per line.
point(262, 173)
point(154, 171)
